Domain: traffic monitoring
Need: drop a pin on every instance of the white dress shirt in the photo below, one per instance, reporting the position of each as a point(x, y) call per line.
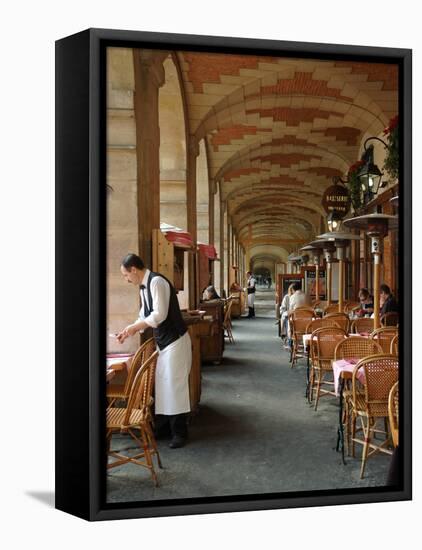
point(160, 292)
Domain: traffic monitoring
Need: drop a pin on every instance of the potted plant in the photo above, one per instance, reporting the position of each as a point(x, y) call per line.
point(353, 185)
point(391, 163)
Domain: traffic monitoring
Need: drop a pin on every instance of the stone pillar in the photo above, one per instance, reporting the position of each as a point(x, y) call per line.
point(211, 214)
point(192, 154)
point(222, 247)
point(149, 76)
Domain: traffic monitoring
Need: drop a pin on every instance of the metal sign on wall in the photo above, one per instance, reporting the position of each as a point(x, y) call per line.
point(336, 198)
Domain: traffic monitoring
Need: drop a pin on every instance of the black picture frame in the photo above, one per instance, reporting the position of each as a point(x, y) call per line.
point(80, 274)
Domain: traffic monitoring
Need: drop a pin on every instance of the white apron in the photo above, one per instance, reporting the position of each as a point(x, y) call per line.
point(172, 377)
point(251, 299)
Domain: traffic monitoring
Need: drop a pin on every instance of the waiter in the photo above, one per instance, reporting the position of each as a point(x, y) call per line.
point(160, 310)
point(251, 294)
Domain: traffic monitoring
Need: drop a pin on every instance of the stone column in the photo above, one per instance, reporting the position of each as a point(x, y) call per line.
point(149, 76)
point(192, 151)
point(211, 214)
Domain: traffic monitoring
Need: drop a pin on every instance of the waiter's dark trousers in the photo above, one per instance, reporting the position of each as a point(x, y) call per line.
point(176, 424)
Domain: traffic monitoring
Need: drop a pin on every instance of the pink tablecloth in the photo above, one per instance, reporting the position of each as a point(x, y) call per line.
point(116, 362)
point(346, 365)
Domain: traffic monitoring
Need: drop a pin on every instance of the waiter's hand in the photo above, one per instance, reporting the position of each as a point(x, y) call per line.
point(130, 330)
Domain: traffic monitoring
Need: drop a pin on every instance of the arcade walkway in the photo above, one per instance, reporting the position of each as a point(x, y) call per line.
point(254, 433)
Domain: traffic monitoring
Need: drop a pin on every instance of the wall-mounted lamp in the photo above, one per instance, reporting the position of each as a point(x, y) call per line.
point(370, 175)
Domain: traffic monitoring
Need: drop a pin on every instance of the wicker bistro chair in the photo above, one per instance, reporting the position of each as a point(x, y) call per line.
point(390, 319)
point(122, 391)
point(362, 325)
point(393, 413)
point(370, 403)
point(323, 344)
point(332, 308)
point(227, 322)
point(299, 319)
point(350, 306)
point(356, 347)
point(315, 324)
point(384, 336)
point(136, 416)
point(341, 319)
point(394, 346)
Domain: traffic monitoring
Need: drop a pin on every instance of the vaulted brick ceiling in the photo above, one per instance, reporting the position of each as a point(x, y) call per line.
point(278, 130)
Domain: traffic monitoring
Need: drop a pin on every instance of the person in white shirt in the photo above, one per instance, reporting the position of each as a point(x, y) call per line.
point(298, 299)
point(284, 312)
point(251, 294)
point(160, 310)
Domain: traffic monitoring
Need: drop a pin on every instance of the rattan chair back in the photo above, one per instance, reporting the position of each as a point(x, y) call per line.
point(384, 337)
point(140, 396)
point(332, 308)
point(393, 413)
point(390, 319)
point(356, 347)
point(341, 319)
point(381, 373)
point(142, 354)
point(315, 324)
point(302, 311)
point(394, 346)
point(362, 326)
point(350, 306)
point(323, 344)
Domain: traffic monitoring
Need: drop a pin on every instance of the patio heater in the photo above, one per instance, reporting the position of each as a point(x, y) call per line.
point(315, 252)
point(377, 227)
point(329, 249)
point(341, 240)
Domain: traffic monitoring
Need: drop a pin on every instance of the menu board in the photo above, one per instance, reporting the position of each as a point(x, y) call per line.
point(310, 283)
point(284, 281)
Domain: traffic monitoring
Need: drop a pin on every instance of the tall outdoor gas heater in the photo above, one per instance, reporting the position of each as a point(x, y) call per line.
point(376, 227)
point(341, 240)
point(315, 253)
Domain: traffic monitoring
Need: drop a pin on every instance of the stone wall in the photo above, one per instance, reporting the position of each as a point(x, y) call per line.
point(122, 228)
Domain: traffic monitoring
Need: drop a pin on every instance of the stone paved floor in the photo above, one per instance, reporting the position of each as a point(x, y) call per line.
point(254, 433)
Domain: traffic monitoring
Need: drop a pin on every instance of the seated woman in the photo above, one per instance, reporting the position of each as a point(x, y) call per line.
point(211, 293)
point(387, 301)
point(366, 303)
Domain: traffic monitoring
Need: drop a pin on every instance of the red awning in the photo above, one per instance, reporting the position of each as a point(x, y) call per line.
point(180, 239)
point(208, 250)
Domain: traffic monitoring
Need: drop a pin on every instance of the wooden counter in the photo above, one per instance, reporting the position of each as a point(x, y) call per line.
point(212, 344)
point(197, 328)
point(239, 303)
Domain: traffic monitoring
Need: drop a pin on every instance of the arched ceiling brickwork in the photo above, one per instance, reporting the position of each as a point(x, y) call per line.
point(279, 129)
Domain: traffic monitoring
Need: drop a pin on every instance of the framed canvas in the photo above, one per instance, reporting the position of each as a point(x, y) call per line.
point(207, 158)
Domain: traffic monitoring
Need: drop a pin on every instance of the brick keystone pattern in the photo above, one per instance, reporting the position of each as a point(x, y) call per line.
point(377, 72)
point(207, 67)
point(288, 140)
point(286, 160)
point(242, 172)
point(226, 135)
point(346, 133)
point(291, 116)
point(323, 171)
point(302, 84)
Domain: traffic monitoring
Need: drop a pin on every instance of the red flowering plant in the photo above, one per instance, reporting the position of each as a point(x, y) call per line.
point(353, 184)
point(391, 163)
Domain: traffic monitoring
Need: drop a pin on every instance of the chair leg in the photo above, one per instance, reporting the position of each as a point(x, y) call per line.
point(366, 432)
point(318, 388)
point(153, 444)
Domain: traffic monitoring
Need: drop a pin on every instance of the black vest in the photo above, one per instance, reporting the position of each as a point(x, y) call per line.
point(173, 326)
point(251, 289)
